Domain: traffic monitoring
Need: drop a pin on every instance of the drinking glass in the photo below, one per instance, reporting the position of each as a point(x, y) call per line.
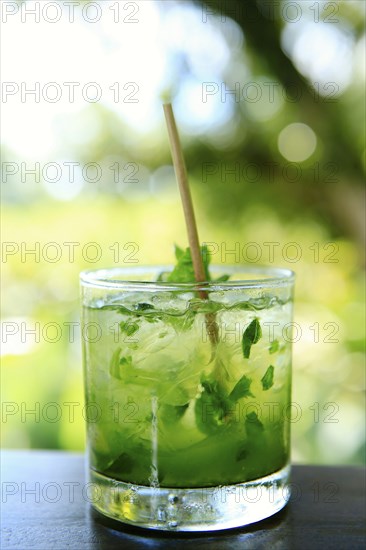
point(188, 395)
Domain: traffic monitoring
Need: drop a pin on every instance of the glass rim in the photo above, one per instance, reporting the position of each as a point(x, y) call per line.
point(105, 278)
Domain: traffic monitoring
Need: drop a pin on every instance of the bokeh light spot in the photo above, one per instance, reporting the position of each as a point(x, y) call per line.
point(297, 142)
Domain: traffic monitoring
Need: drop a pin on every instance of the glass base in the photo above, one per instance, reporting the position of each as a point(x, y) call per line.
point(200, 509)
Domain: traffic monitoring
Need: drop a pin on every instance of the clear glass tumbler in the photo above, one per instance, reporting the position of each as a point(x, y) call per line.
point(188, 390)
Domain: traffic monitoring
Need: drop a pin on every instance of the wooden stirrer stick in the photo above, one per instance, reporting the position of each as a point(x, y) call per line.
point(185, 193)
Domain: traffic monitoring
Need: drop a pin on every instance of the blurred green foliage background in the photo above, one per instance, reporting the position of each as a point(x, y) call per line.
point(269, 98)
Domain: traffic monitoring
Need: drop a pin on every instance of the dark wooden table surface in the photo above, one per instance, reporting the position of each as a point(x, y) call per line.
point(45, 506)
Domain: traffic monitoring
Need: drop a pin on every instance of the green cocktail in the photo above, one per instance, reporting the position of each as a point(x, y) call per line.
point(188, 390)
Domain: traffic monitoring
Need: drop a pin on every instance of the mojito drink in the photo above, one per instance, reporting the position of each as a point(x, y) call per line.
point(185, 393)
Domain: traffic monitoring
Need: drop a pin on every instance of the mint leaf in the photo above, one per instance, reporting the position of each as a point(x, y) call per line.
point(148, 311)
point(126, 361)
point(117, 307)
point(211, 407)
point(183, 272)
point(178, 252)
point(253, 425)
point(120, 367)
point(274, 346)
point(251, 336)
point(241, 389)
point(222, 279)
point(143, 306)
point(114, 363)
point(170, 414)
point(128, 327)
point(267, 380)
